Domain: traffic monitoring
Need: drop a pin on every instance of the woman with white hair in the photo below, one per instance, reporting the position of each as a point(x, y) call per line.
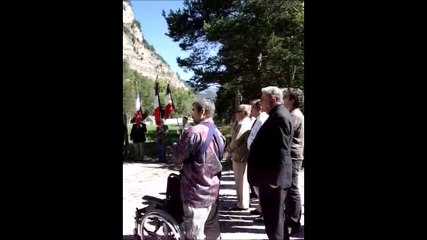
point(239, 155)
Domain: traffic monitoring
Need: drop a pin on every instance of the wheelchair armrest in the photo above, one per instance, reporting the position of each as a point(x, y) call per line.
point(152, 199)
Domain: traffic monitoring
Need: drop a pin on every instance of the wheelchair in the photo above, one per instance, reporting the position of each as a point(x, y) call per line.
point(161, 219)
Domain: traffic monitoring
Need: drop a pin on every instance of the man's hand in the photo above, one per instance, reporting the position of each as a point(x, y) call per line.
point(228, 159)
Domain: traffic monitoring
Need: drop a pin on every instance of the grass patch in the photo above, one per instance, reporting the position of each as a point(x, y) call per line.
point(173, 136)
point(150, 145)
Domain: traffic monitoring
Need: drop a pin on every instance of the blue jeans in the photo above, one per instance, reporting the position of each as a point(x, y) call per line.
point(161, 151)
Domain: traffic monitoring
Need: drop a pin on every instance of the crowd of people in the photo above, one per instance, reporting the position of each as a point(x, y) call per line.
point(266, 151)
point(138, 137)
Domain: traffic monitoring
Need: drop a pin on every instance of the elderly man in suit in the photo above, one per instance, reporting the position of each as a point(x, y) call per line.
point(270, 164)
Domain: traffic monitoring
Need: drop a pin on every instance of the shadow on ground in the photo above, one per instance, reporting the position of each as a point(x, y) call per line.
point(238, 221)
point(230, 221)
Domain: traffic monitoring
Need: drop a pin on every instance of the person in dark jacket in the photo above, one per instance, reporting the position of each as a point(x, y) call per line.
point(292, 99)
point(137, 135)
point(162, 131)
point(270, 164)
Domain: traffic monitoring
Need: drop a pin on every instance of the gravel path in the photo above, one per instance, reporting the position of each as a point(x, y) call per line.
point(150, 178)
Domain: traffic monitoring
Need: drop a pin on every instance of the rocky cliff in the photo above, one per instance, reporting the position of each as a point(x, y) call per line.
point(140, 55)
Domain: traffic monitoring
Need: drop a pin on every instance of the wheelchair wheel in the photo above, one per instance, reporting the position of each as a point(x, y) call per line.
point(158, 224)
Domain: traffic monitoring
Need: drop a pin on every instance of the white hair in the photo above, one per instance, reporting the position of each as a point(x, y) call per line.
point(273, 92)
point(245, 108)
point(206, 104)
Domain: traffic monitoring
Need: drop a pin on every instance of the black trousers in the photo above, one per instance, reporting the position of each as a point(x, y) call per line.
point(293, 198)
point(273, 206)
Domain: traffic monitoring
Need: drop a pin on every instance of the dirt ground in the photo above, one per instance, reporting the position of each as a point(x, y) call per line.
point(150, 177)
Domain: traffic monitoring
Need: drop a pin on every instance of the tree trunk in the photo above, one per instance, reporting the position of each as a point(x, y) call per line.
point(237, 100)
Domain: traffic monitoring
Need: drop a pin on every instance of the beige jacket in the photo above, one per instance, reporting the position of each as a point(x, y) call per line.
point(238, 145)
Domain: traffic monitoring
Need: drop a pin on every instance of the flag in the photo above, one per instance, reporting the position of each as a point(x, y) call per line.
point(137, 101)
point(169, 107)
point(157, 105)
point(138, 117)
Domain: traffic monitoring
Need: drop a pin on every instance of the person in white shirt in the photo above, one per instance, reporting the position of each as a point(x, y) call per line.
point(260, 117)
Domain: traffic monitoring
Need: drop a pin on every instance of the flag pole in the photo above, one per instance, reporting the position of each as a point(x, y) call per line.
point(156, 88)
point(158, 93)
point(173, 105)
point(140, 106)
point(158, 98)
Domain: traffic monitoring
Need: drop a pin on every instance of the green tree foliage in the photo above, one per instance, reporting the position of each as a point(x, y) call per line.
point(257, 43)
point(224, 104)
point(183, 102)
point(131, 82)
point(128, 89)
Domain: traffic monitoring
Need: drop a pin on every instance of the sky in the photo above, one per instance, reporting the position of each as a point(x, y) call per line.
point(154, 27)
